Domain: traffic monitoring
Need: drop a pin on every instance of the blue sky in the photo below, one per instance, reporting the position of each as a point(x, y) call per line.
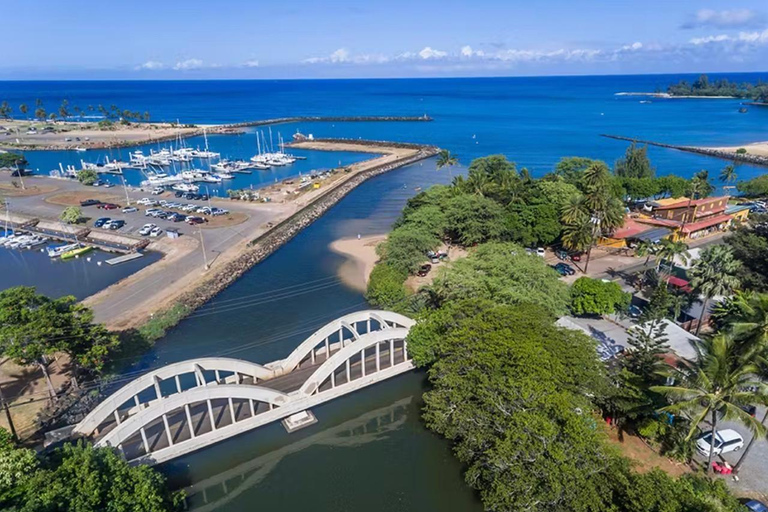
point(162, 39)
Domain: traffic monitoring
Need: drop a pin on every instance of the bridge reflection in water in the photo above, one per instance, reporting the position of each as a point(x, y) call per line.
point(216, 491)
point(186, 406)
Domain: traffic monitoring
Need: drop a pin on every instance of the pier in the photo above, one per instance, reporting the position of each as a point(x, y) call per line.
point(716, 153)
point(186, 406)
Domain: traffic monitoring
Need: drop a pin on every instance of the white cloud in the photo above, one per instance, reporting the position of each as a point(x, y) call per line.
point(251, 63)
point(467, 51)
point(632, 47)
point(430, 53)
point(188, 64)
point(744, 38)
point(151, 65)
point(737, 18)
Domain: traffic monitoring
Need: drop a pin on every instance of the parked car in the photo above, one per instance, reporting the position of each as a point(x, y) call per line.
point(130, 209)
point(114, 224)
point(97, 183)
point(152, 212)
point(157, 191)
point(635, 311)
point(756, 506)
point(564, 269)
point(727, 440)
point(145, 201)
point(178, 193)
point(177, 217)
point(108, 206)
point(100, 222)
point(205, 210)
point(146, 229)
point(424, 270)
point(90, 202)
point(156, 231)
point(192, 220)
point(108, 184)
point(541, 252)
point(575, 257)
point(562, 255)
point(219, 211)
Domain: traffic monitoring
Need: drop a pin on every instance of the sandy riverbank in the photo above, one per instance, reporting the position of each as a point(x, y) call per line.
point(360, 257)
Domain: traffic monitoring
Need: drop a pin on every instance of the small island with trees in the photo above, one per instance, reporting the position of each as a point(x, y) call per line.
point(703, 87)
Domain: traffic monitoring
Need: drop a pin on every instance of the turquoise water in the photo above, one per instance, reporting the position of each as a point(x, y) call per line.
point(534, 121)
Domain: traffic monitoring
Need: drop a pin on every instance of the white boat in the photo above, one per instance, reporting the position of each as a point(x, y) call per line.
point(55, 252)
point(225, 175)
point(185, 187)
point(211, 178)
point(80, 149)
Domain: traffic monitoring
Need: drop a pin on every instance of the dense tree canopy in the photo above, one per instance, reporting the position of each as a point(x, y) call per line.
point(595, 297)
point(634, 163)
point(79, 478)
point(756, 187)
point(505, 273)
point(750, 247)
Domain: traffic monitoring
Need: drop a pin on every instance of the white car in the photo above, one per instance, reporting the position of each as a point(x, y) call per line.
point(727, 440)
point(130, 209)
point(157, 191)
point(156, 231)
point(146, 229)
point(145, 201)
point(540, 252)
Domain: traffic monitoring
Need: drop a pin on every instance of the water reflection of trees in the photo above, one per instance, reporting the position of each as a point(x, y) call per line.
point(214, 492)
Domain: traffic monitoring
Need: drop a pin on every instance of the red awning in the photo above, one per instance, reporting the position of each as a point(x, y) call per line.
point(680, 283)
point(706, 223)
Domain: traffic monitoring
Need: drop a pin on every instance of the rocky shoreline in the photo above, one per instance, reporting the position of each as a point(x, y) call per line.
point(262, 247)
point(716, 153)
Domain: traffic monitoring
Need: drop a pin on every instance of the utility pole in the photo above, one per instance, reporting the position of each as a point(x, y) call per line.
point(21, 176)
point(8, 416)
point(202, 246)
point(125, 189)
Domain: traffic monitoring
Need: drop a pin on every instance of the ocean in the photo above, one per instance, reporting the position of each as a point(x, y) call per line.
point(374, 464)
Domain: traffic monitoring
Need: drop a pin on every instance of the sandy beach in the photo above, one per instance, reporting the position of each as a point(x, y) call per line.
point(755, 148)
point(360, 257)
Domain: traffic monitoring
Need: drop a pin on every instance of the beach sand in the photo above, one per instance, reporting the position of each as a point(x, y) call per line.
point(755, 148)
point(360, 257)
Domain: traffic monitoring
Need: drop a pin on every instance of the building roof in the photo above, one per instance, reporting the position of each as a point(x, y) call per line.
point(735, 208)
point(654, 234)
point(667, 223)
point(630, 229)
point(679, 340)
point(706, 223)
point(680, 283)
point(682, 202)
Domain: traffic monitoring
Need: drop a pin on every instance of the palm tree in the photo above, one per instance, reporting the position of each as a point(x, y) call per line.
point(728, 174)
point(714, 387)
point(647, 249)
point(714, 274)
point(669, 250)
point(23, 108)
point(446, 159)
point(579, 236)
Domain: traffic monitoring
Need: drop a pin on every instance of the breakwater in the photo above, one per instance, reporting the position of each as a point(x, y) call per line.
point(716, 153)
point(284, 231)
point(330, 119)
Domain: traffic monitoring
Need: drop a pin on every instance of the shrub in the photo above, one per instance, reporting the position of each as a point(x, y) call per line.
point(595, 297)
point(87, 177)
point(71, 215)
point(386, 287)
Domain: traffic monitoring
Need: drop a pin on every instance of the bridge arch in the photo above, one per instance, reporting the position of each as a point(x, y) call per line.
point(193, 417)
point(371, 353)
point(142, 391)
point(331, 337)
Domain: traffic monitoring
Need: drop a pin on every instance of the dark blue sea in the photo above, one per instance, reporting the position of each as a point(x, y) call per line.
point(534, 121)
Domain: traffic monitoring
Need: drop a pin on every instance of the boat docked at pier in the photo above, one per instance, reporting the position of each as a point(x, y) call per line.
point(57, 251)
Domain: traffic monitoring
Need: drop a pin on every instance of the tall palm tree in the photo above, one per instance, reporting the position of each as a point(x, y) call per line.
point(446, 159)
point(714, 387)
point(669, 250)
point(574, 211)
point(578, 236)
point(647, 249)
point(728, 174)
point(715, 273)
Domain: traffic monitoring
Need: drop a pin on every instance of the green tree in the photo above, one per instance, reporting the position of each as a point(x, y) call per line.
point(595, 297)
point(750, 246)
point(12, 160)
point(474, 219)
point(64, 109)
point(386, 288)
point(728, 174)
point(23, 108)
point(668, 250)
point(572, 168)
point(502, 272)
point(34, 326)
point(446, 159)
point(17, 466)
point(80, 477)
point(5, 110)
point(649, 343)
point(87, 176)
point(406, 247)
point(647, 249)
point(756, 187)
point(71, 215)
point(635, 163)
point(715, 273)
point(40, 113)
point(715, 386)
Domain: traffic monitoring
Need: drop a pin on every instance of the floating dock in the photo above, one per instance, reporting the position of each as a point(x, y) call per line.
point(124, 258)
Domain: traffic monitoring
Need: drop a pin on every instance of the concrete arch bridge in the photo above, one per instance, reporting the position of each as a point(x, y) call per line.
point(185, 406)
